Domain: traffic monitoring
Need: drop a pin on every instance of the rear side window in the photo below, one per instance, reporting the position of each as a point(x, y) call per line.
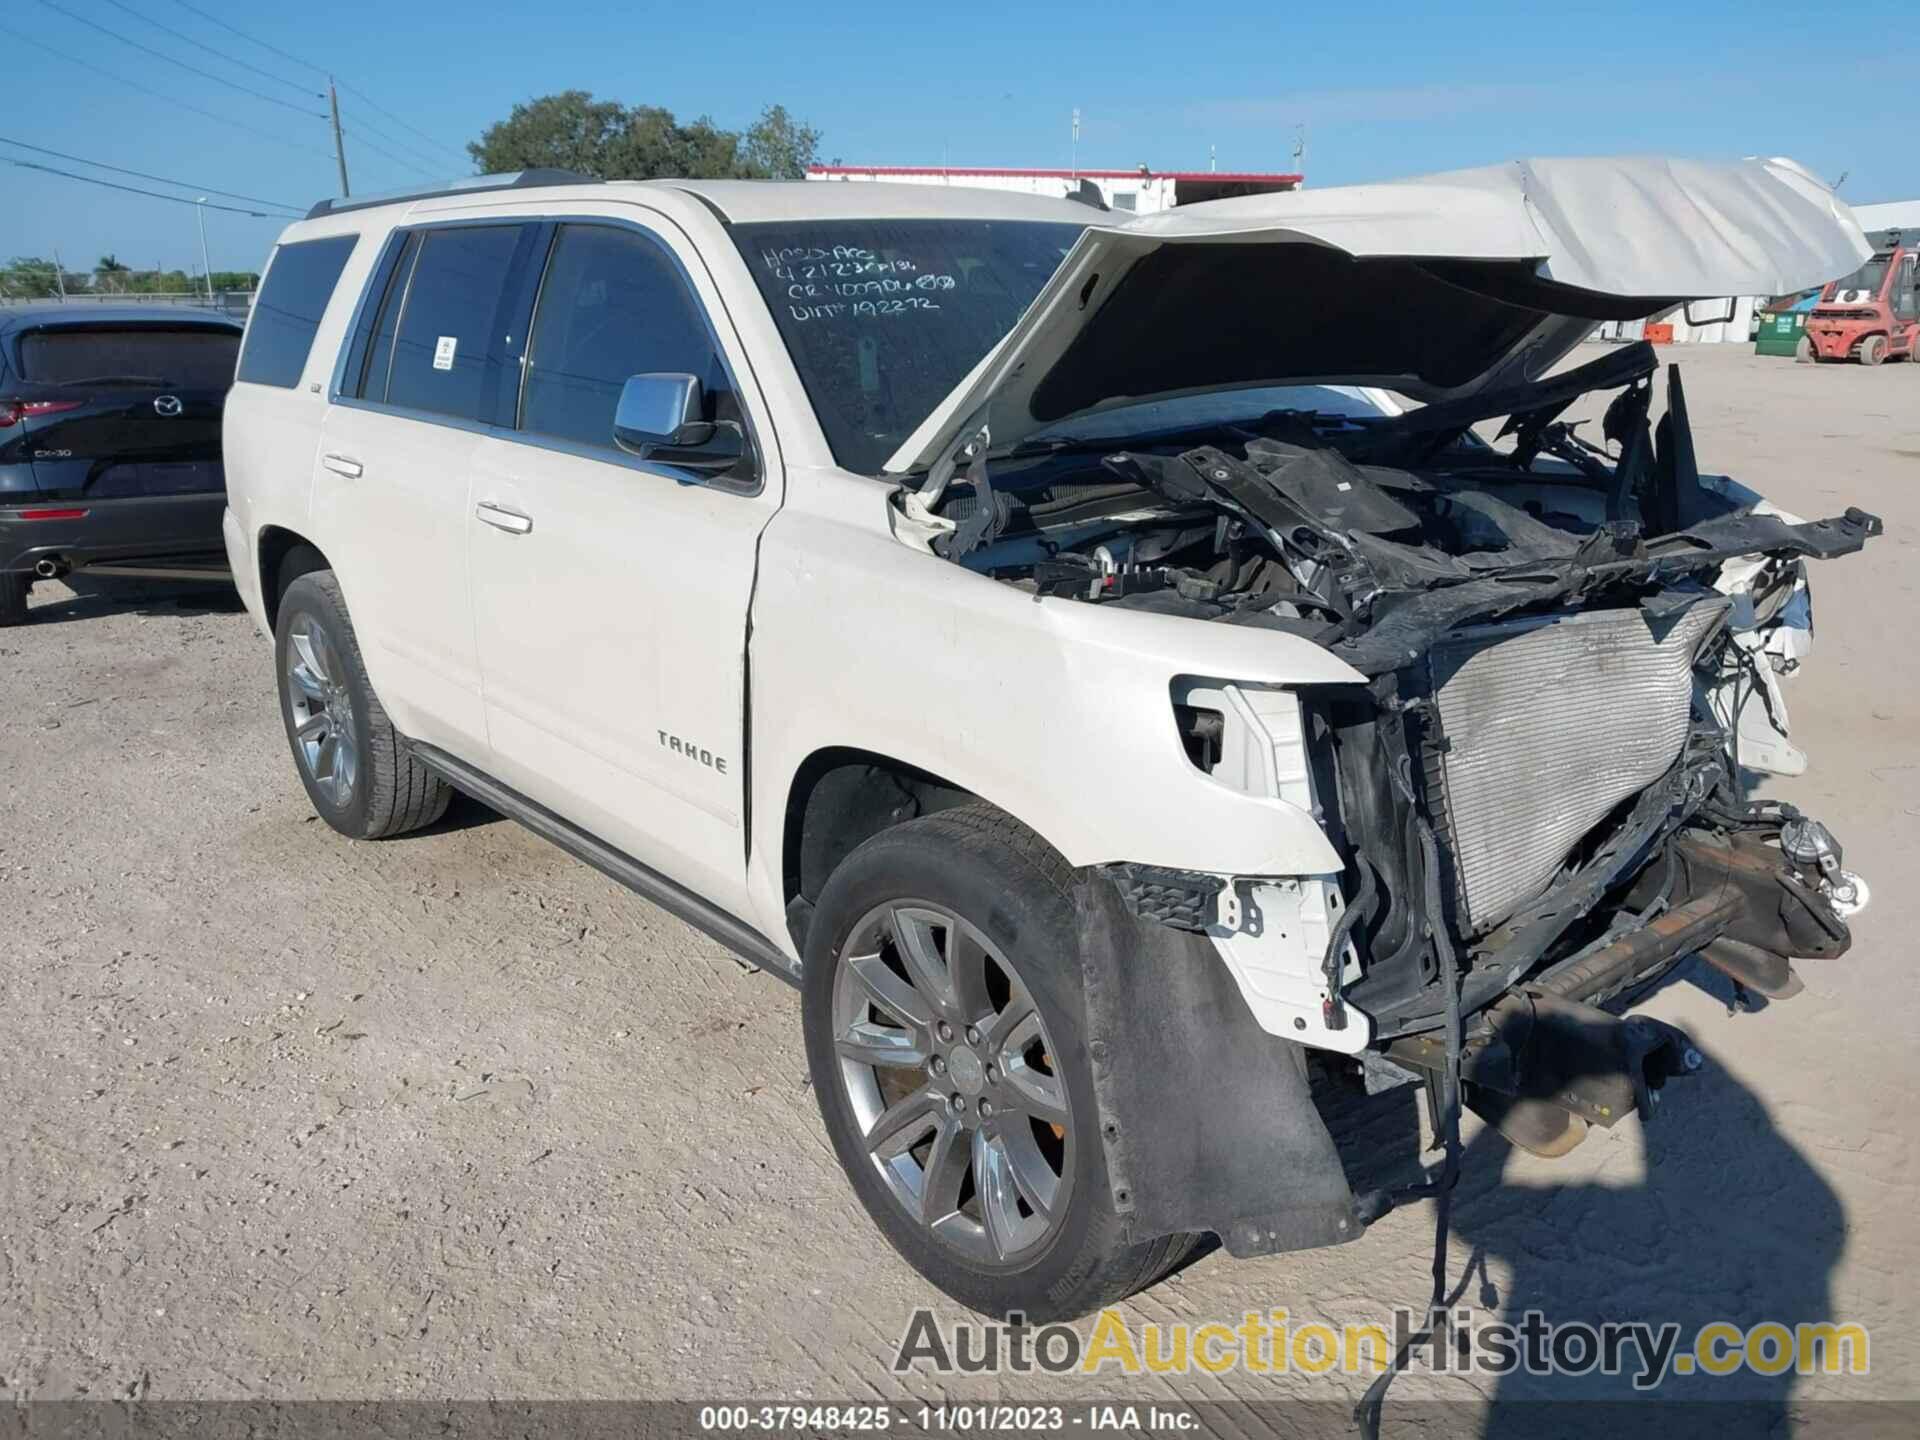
point(145, 355)
point(612, 305)
point(450, 346)
point(287, 311)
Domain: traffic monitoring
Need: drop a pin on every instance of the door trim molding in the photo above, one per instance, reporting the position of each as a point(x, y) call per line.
point(717, 924)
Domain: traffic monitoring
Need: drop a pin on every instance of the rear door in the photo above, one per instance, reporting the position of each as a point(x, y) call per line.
point(126, 411)
point(423, 378)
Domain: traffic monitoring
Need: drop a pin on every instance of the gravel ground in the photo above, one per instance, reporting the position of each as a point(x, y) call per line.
point(453, 1116)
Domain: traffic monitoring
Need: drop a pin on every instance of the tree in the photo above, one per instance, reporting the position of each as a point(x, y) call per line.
point(778, 147)
point(574, 131)
point(108, 271)
point(30, 276)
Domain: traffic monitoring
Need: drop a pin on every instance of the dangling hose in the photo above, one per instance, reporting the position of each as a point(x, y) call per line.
point(1367, 1413)
point(1333, 963)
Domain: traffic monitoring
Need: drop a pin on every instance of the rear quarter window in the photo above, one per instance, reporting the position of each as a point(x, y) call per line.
point(287, 312)
point(182, 359)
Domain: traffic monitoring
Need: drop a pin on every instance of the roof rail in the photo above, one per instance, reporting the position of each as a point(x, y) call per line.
point(510, 180)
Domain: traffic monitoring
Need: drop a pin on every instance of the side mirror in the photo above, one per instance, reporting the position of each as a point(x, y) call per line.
point(660, 410)
point(1711, 312)
point(662, 418)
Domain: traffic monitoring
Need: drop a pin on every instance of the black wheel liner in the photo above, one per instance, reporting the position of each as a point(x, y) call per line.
point(1206, 1119)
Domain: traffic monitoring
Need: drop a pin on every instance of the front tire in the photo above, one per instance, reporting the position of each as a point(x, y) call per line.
point(13, 599)
point(1803, 352)
point(358, 773)
point(1873, 349)
point(946, 1039)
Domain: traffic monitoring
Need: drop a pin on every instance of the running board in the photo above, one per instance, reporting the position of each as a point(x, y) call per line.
point(738, 936)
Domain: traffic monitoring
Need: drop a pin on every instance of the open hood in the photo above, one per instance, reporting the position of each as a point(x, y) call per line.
point(1438, 287)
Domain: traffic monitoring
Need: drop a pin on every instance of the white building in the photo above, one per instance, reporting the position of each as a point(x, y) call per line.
point(1902, 215)
point(1141, 191)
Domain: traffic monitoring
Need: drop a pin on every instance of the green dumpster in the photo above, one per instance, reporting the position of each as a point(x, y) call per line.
point(1780, 332)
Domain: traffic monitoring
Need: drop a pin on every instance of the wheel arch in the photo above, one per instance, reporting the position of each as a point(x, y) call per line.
point(283, 556)
point(841, 796)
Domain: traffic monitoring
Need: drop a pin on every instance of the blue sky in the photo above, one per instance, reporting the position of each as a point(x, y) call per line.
point(1382, 89)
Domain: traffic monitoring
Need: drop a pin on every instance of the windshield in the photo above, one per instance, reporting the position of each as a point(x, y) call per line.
point(1867, 278)
point(884, 317)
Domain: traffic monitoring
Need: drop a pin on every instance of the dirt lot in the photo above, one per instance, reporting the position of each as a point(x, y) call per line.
point(454, 1116)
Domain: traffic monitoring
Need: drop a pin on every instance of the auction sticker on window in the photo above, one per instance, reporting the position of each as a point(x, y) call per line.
point(443, 352)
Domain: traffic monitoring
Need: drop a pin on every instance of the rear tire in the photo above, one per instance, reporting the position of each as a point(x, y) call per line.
point(1803, 352)
point(994, 1061)
point(13, 599)
point(357, 771)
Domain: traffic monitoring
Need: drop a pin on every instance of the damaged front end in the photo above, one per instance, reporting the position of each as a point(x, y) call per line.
point(1565, 641)
point(1561, 646)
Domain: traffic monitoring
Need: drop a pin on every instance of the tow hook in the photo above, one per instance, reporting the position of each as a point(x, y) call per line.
point(1656, 1053)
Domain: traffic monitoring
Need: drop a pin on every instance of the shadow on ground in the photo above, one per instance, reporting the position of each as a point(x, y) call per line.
point(83, 596)
point(1711, 1216)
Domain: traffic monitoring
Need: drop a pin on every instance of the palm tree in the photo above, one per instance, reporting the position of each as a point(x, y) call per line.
point(108, 267)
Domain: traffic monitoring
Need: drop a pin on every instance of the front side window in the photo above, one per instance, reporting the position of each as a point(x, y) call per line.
point(287, 311)
point(884, 317)
point(450, 346)
point(613, 305)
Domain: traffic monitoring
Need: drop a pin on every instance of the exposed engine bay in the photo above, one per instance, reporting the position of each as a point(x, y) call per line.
point(1563, 638)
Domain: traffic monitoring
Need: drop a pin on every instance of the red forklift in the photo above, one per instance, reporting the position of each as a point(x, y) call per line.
point(1871, 315)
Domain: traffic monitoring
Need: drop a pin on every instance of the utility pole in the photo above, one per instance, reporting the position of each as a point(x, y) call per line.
point(59, 275)
point(1076, 145)
point(339, 147)
point(206, 265)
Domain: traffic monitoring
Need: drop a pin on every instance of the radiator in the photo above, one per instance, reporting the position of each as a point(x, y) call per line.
point(1545, 725)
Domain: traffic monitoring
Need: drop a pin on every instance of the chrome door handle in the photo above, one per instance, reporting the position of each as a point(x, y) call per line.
point(501, 518)
point(343, 465)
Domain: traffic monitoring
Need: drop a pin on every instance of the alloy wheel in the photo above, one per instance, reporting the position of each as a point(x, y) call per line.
point(950, 1074)
point(322, 708)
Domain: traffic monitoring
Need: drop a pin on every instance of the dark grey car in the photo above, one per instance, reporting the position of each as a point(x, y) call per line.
point(110, 441)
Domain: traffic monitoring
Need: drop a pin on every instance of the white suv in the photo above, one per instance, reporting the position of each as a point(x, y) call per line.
point(1060, 648)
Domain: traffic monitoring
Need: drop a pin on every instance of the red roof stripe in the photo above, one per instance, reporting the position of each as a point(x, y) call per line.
point(1229, 176)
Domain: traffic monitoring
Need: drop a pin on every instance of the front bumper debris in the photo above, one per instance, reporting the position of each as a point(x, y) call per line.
point(1544, 1061)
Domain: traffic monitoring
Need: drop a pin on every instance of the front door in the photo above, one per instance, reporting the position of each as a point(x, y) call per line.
point(610, 594)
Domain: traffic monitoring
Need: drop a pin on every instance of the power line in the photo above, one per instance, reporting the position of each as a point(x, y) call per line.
point(362, 123)
point(136, 190)
point(382, 110)
point(360, 139)
point(360, 95)
point(142, 175)
point(187, 39)
point(191, 69)
point(241, 125)
point(248, 38)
